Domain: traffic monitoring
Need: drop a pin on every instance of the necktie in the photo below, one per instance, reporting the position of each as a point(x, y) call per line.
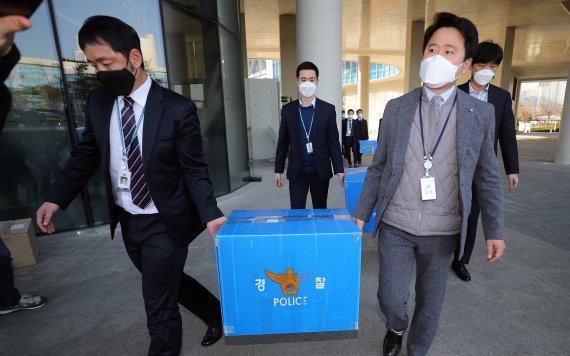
point(436, 107)
point(140, 193)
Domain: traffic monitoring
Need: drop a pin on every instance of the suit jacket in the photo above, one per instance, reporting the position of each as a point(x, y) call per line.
point(362, 129)
point(174, 164)
point(7, 63)
point(323, 136)
point(476, 162)
point(505, 132)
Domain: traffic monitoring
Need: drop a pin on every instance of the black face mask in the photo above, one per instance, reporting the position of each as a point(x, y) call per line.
point(119, 82)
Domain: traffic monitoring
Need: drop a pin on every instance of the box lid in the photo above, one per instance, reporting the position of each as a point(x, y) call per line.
point(13, 227)
point(355, 174)
point(288, 222)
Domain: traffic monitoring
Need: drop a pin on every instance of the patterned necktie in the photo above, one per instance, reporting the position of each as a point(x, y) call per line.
point(436, 107)
point(140, 193)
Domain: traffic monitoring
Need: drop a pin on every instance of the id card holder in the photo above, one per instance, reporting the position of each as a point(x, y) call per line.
point(309, 147)
point(124, 183)
point(428, 188)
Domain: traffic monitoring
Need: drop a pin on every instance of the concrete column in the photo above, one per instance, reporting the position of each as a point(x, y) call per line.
point(563, 156)
point(414, 55)
point(319, 40)
point(364, 84)
point(288, 45)
point(506, 64)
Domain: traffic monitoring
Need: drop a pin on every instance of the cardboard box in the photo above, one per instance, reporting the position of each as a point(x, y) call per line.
point(289, 271)
point(353, 182)
point(368, 146)
point(20, 238)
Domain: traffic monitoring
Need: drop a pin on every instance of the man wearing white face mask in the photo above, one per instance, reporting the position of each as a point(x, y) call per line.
point(435, 143)
point(485, 63)
point(308, 136)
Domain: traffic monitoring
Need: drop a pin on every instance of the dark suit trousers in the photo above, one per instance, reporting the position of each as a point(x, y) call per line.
point(164, 284)
point(299, 188)
point(472, 223)
point(8, 294)
point(351, 143)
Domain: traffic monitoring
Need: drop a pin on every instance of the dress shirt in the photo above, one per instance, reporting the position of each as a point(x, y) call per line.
point(123, 198)
point(483, 95)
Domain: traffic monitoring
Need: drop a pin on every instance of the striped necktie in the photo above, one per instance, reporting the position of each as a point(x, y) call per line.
point(140, 193)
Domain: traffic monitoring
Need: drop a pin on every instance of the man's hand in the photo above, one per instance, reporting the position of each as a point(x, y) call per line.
point(215, 225)
point(513, 181)
point(359, 223)
point(8, 26)
point(495, 249)
point(44, 217)
point(341, 179)
point(277, 179)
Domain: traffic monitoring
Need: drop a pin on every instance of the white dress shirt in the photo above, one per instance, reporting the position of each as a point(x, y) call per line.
point(482, 95)
point(123, 198)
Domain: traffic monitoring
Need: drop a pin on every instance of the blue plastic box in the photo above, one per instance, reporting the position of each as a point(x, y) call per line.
point(368, 146)
point(353, 182)
point(289, 271)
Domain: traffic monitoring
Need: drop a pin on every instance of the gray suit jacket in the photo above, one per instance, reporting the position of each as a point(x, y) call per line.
point(476, 162)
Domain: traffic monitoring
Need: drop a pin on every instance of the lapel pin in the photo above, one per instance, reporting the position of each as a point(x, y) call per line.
point(470, 110)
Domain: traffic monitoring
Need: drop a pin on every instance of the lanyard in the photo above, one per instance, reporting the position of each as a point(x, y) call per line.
point(126, 148)
point(303, 122)
point(432, 152)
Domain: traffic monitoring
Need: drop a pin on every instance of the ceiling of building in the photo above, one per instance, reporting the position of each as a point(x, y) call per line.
point(377, 28)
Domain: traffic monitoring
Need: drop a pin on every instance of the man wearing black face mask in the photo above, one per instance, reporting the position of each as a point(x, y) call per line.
point(158, 185)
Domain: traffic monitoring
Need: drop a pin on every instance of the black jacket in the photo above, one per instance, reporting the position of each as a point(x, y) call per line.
point(505, 132)
point(173, 162)
point(7, 63)
point(323, 136)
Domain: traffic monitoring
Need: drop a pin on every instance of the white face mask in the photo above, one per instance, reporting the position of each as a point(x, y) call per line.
point(437, 71)
point(350, 116)
point(484, 76)
point(360, 116)
point(307, 89)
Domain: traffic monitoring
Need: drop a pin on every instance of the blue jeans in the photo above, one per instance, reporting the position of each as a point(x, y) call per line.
point(8, 294)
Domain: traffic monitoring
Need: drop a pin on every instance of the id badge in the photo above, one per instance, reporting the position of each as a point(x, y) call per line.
point(428, 188)
point(309, 147)
point(124, 183)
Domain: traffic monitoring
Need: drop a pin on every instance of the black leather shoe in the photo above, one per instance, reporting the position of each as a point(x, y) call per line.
point(461, 271)
point(213, 334)
point(392, 343)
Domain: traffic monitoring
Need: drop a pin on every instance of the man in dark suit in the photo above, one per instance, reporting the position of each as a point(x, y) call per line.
point(485, 63)
point(308, 136)
point(157, 184)
point(10, 298)
point(349, 133)
point(362, 133)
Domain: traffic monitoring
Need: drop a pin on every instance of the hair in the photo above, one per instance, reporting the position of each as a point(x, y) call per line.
point(107, 30)
point(488, 52)
point(307, 66)
point(359, 110)
point(349, 110)
point(461, 24)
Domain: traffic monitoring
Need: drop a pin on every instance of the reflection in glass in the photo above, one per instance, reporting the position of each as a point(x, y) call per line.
point(206, 7)
point(35, 142)
point(234, 109)
point(194, 71)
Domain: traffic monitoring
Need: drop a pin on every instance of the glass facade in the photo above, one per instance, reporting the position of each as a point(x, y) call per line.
point(192, 47)
point(377, 71)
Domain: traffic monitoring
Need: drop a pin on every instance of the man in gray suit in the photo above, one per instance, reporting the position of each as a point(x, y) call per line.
point(436, 141)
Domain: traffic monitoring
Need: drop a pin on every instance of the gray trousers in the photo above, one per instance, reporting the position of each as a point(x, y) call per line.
point(398, 250)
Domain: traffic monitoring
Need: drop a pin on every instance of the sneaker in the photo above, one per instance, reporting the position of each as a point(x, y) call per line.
point(27, 301)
